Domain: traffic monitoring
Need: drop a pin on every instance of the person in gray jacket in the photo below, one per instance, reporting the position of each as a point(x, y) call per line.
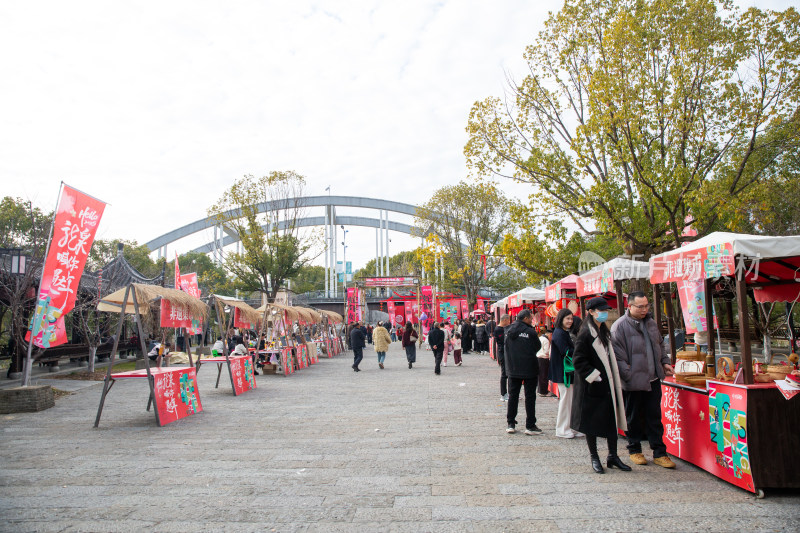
point(643, 363)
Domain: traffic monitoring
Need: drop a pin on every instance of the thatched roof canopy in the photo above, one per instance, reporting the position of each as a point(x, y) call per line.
point(249, 314)
point(334, 317)
point(291, 312)
point(145, 294)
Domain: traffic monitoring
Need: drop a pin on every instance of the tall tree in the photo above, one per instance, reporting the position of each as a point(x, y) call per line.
point(462, 224)
point(309, 278)
point(211, 277)
point(640, 116)
point(265, 212)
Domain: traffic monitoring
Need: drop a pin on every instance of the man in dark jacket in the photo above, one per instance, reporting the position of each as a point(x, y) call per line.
point(499, 338)
point(357, 342)
point(522, 366)
point(643, 362)
point(436, 342)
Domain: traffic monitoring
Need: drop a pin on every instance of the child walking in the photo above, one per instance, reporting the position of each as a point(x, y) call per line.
point(457, 349)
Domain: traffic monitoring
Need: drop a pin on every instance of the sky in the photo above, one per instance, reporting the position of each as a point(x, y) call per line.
point(156, 107)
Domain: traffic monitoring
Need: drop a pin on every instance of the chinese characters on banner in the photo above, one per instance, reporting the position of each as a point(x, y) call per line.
point(242, 374)
point(599, 282)
point(353, 305)
point(464, 309)
point(188, 284)
point(390, 310)
point(479, 306)
point(174, 316)
point(693, 265)
point(426, 301)
point(176, 394)
point(77, 218)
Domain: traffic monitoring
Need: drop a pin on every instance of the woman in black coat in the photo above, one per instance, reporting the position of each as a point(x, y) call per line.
point(598, 409)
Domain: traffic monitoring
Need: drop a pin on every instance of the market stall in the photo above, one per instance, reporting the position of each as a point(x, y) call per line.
point(743, 432)
point(281, 341)
point(562, 294)
point(173, 390)
point(527, 298)
point(606, 280)
point(241, 368)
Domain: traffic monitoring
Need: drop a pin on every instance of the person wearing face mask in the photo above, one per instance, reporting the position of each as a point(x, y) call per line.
point(643, 362)
point(598, 408)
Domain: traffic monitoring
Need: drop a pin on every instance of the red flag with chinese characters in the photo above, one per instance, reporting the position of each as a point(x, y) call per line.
point(483, 261)
point(390, 310)
point(177, 273)
point(74, 228)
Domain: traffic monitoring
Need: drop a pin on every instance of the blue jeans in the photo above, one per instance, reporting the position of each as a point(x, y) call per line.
point(381, 357)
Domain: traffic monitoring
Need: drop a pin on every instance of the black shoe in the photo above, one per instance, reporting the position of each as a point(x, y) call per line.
point(614, 461)
point(409, 365)
point(597, 466)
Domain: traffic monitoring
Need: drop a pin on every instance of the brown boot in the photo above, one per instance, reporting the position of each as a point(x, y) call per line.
point(664, 461)
point(638, 459)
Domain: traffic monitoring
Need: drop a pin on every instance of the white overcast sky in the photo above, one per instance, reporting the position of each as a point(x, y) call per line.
point(157, 106)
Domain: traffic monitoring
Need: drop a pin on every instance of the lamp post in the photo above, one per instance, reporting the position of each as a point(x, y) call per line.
point(344, 260)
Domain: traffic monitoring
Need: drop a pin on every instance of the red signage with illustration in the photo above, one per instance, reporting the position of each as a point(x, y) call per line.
point(693, 265)
point(74, 228)
point(598, 282)
point(399, 314)
point(727, 407)
point(176, 393)
point(174, 316)
point(242, 374)
point(464, 309)
point(426, 313)
point(287, 361)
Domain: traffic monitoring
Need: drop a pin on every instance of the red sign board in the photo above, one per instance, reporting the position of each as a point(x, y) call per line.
point(693, 265)
point(242, 374)
point(74, 228)
point(727, 418)
point(599, 282)
point(176, 393)
point(390, 311)
point(174, 316)
point(464, 309)
point(239, 322)
point(391, 282)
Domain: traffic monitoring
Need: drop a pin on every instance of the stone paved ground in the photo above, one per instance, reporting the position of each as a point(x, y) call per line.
point(331, 450)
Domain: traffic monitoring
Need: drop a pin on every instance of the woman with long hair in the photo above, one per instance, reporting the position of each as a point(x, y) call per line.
point(598, 408)
point(410, 337)
point(561, 348)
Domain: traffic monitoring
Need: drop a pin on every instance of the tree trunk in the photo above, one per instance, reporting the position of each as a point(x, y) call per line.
point(92, 351)
point(767, 347)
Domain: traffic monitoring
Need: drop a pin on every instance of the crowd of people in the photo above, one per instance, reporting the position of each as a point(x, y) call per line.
point(608, 379)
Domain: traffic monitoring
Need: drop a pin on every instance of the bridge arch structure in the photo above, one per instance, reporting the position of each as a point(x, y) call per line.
point(226, 236)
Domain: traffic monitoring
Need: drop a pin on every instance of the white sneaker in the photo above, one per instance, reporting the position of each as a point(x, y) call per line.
point(504, 397)
point(510, 429)
point(444, 364)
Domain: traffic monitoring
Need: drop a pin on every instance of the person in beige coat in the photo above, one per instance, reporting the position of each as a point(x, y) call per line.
point(382, 339)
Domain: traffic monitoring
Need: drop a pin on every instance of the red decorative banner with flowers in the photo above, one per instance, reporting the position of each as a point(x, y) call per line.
point(74, 228)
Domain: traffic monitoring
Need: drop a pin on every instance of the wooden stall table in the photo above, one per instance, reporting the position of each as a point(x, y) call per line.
point(240, 369)
point(175, 390)
point(746, 435)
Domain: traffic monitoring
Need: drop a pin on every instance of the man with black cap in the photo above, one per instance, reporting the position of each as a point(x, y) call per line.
point(522, 367)
point(643, 362)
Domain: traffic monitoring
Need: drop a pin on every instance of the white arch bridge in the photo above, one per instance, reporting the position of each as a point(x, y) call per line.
point(225, 236)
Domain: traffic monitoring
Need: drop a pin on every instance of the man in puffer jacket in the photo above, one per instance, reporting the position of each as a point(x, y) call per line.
point(522, 367)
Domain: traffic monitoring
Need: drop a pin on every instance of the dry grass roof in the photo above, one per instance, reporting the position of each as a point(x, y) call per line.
point(146, 294)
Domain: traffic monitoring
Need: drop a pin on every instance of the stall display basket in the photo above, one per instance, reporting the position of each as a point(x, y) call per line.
point(690, 355)
point(680, 377)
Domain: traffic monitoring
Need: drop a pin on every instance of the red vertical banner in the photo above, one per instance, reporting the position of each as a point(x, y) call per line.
point(242, 373)
point(177, 273)
point(464, 309)
point(74, 228)
point(483, 262)
point(426, 299)
point(399, 314)
point(352, 305)
point(414, 314)
point(390, 310)
point(479, 305)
